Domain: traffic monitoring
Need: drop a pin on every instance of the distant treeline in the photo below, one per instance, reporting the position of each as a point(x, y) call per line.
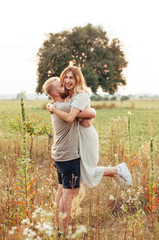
point(97, 97)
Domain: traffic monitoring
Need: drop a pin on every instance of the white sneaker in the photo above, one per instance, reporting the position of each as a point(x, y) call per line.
point(123, 172)
point(120, 181)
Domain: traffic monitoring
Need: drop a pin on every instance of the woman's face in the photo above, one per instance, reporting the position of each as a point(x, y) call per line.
point(69, 81)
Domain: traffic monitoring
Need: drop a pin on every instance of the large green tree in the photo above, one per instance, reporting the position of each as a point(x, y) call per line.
point(101, 60)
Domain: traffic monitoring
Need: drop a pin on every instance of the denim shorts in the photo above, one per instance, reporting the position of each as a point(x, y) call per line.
point(68, 173)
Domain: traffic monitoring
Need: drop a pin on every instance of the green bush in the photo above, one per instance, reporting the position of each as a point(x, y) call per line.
point(96, 97)
point(124, 98)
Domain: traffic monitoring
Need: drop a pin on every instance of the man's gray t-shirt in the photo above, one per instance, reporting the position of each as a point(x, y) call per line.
point(65, 146)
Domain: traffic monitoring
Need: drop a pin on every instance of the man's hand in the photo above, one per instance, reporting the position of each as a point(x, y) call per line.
point(48, 107)
point(52, 107)
point(86, 123)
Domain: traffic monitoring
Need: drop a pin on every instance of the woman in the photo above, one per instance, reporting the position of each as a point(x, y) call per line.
point(91, 174)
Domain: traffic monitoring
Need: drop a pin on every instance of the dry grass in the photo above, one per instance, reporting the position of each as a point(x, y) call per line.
point(105, 211)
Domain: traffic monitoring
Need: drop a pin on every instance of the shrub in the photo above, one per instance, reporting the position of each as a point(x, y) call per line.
point(124, 98)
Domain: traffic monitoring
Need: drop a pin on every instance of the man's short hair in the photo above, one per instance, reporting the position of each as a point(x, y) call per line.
point(48, 87)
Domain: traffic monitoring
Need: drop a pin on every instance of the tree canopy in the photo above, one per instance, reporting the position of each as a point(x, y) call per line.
point(101, 60)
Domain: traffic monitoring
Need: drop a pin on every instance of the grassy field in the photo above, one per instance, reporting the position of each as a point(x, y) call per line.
point(128, 131)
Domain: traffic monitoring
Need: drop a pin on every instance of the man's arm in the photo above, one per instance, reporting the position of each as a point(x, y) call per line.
point(86, 122)
point(88, 114)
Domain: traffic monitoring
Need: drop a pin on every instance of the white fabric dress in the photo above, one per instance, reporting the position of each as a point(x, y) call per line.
point(91, 174)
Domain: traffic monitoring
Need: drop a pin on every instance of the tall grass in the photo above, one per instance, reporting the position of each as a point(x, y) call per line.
point(104, 212)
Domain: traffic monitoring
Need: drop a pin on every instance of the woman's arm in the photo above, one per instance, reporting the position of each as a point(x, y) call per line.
point(74, 112)
point(68, 117)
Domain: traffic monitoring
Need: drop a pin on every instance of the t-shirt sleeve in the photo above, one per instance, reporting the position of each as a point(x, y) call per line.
point(80, 101)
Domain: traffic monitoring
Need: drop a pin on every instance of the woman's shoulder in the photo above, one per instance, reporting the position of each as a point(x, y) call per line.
point(80, 100)
point(80, 95)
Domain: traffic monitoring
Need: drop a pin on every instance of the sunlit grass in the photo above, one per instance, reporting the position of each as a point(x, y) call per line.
point(105, 211)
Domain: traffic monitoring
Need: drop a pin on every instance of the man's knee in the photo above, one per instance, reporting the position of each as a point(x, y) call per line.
point(69, 193)
point(60, 189)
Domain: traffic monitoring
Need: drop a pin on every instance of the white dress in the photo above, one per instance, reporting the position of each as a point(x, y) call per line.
point(91, 174)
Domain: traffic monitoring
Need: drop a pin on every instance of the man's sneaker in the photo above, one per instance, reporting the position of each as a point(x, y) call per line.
point(120, 181)
point(123, 172)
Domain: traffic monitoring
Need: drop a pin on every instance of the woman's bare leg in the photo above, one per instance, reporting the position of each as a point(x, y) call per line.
point(110, 171)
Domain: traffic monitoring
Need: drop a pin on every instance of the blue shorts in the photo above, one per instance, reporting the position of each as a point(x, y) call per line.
point(68, 173)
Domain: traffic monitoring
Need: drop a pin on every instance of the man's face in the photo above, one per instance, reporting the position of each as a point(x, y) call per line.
point(62, 91)
point(69, 81)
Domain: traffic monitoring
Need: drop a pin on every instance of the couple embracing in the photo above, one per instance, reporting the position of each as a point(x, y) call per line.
point(75, 147)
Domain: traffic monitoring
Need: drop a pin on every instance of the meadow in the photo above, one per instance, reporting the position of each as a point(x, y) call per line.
point(128, 131)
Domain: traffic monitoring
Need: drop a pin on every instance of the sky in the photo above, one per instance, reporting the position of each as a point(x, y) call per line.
point(24, 25)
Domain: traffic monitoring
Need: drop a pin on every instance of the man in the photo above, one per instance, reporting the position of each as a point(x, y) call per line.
point(65, 150)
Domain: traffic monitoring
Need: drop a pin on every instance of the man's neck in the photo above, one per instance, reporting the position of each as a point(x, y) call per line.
point(58, 99)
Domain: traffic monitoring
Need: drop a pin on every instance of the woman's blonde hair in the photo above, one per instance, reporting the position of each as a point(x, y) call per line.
point(78, 76)
point(48, 87)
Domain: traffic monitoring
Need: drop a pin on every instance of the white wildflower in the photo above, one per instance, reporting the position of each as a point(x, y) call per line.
point(26, 221)
point(31, 234)
point(69, 233)
point(26, 230)
point(123, 208)
point(38, 210)
point(81, 229)
point(38, 225)
point(50, 214)
point(70, 228)
point(14, 227)
point(48, 232)
point(111, 197)
point(34, 215)
point(62, 215)
point(47, 226)
point(11, 232)
point(38, 238)
point(73, 236)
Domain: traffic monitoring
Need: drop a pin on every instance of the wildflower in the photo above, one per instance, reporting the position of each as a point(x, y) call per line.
point(11, 232)
point(49, 232)
point(62, 215)
point(31, 234)
point(129, 113)
point(128, 191)
point(34, 215)
point(47, 226)
point(26, 230)
point(14, 227)
point(38, 238)
point(81, 229)
point(38, 226)
point(123, 208)
point(50, 214)
point(111, 197)
point(70, 228)
point(25, 221)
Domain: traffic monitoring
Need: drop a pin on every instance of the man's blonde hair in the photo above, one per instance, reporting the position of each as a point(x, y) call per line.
point(78, 76)
point(48, 87)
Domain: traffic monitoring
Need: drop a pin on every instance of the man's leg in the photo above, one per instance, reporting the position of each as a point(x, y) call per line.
point(57, 200)
point(65, 208)
point(69, 177)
